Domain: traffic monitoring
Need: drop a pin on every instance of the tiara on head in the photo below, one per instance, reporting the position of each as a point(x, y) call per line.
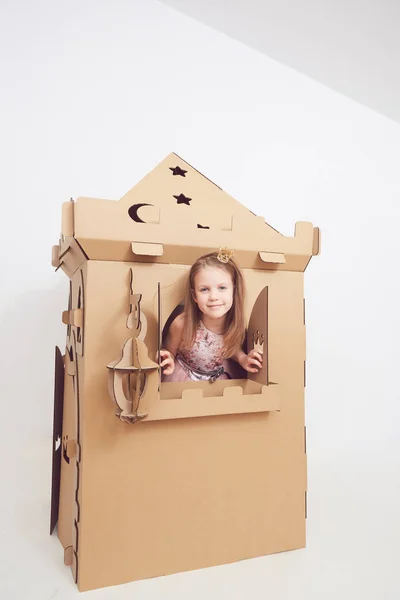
point(224, 254)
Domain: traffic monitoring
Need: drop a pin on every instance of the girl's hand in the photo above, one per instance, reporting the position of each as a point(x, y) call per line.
point(167, 361)
point(251, 361)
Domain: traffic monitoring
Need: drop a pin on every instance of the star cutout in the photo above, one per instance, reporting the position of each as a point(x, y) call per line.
point(178, 171)
point(182, 199)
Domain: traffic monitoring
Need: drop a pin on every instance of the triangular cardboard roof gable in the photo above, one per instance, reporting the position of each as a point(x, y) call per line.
point(175, 214)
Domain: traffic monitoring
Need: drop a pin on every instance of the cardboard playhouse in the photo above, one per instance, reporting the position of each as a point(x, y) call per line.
point(154, 478)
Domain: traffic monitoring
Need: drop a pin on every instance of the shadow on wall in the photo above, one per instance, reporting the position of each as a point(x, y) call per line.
point(30, 328)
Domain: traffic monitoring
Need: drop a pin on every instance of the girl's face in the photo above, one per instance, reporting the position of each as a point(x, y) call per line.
point(213, 292)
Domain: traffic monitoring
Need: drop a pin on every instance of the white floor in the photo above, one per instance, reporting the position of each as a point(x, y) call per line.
point(353, 539)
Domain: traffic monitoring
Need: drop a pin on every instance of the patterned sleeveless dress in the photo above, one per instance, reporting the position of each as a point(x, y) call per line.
point(203, 361)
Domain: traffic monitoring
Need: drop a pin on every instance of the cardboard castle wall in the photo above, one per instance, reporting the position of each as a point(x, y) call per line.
point(209, 473)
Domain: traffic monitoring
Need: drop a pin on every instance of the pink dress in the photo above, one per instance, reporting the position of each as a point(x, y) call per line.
point(203, 361)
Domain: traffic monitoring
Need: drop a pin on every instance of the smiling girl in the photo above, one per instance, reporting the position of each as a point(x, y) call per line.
point(211, 329)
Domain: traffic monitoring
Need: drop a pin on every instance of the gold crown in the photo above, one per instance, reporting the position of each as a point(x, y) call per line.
point(258, 342)
point(224, 254)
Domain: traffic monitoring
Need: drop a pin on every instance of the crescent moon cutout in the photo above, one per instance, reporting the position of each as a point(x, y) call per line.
point(133, 212)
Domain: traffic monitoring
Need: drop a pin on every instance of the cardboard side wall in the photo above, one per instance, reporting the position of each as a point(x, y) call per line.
point(69, 508)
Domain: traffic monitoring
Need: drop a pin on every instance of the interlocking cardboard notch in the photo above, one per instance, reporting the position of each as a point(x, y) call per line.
point(174, 476)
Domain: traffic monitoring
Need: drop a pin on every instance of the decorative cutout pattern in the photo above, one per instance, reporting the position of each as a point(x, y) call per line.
point(182, 199)
point(133, 378)
point(178, 171)
point(258, 342)
point(133, 212)
point(135, 317)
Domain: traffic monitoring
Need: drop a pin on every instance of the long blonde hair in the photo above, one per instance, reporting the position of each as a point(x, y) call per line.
point(235, 324)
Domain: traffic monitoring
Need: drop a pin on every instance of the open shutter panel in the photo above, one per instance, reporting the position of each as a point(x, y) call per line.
point(257, 335)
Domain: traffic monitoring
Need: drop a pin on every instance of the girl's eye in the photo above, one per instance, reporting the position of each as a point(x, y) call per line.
point(203, 289)
point(222, 287)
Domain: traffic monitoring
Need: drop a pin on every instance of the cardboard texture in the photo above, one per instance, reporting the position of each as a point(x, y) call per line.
point(157, 477)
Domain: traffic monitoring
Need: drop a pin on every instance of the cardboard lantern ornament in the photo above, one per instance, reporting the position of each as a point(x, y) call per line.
point(216, 471)
point(133, 377)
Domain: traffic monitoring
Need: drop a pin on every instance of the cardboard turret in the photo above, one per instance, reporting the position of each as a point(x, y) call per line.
point(153, 478)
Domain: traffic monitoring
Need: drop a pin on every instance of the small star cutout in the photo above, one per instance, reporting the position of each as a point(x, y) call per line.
point(202, 226)
point(178, 171)
point(182, 199)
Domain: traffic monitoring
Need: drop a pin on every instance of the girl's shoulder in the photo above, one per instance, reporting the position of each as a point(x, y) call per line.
point(177, 324)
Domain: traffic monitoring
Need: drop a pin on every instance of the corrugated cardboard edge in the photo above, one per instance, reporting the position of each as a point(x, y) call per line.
point(67, 221)
point(305, 458)
point(316, 245)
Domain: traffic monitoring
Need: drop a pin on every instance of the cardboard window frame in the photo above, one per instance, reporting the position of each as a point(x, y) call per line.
point(179, 400)
point(189, 399)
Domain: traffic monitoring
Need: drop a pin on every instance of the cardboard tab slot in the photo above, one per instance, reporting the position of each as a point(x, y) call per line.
point(192, 395)
point(55, 261)
point(147, 249)
point(71, 256)
point(71, 368)
point(272, 257)
point(231, 392)
point(71, 449)
point(73, 317)
point(77, 317)
point(68, 556)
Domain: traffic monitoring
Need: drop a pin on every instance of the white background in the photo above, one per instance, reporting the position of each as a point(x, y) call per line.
point(352, 46)
point(93, 95)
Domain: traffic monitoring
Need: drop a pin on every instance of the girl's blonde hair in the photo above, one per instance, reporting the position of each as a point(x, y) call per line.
point(235, 325)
